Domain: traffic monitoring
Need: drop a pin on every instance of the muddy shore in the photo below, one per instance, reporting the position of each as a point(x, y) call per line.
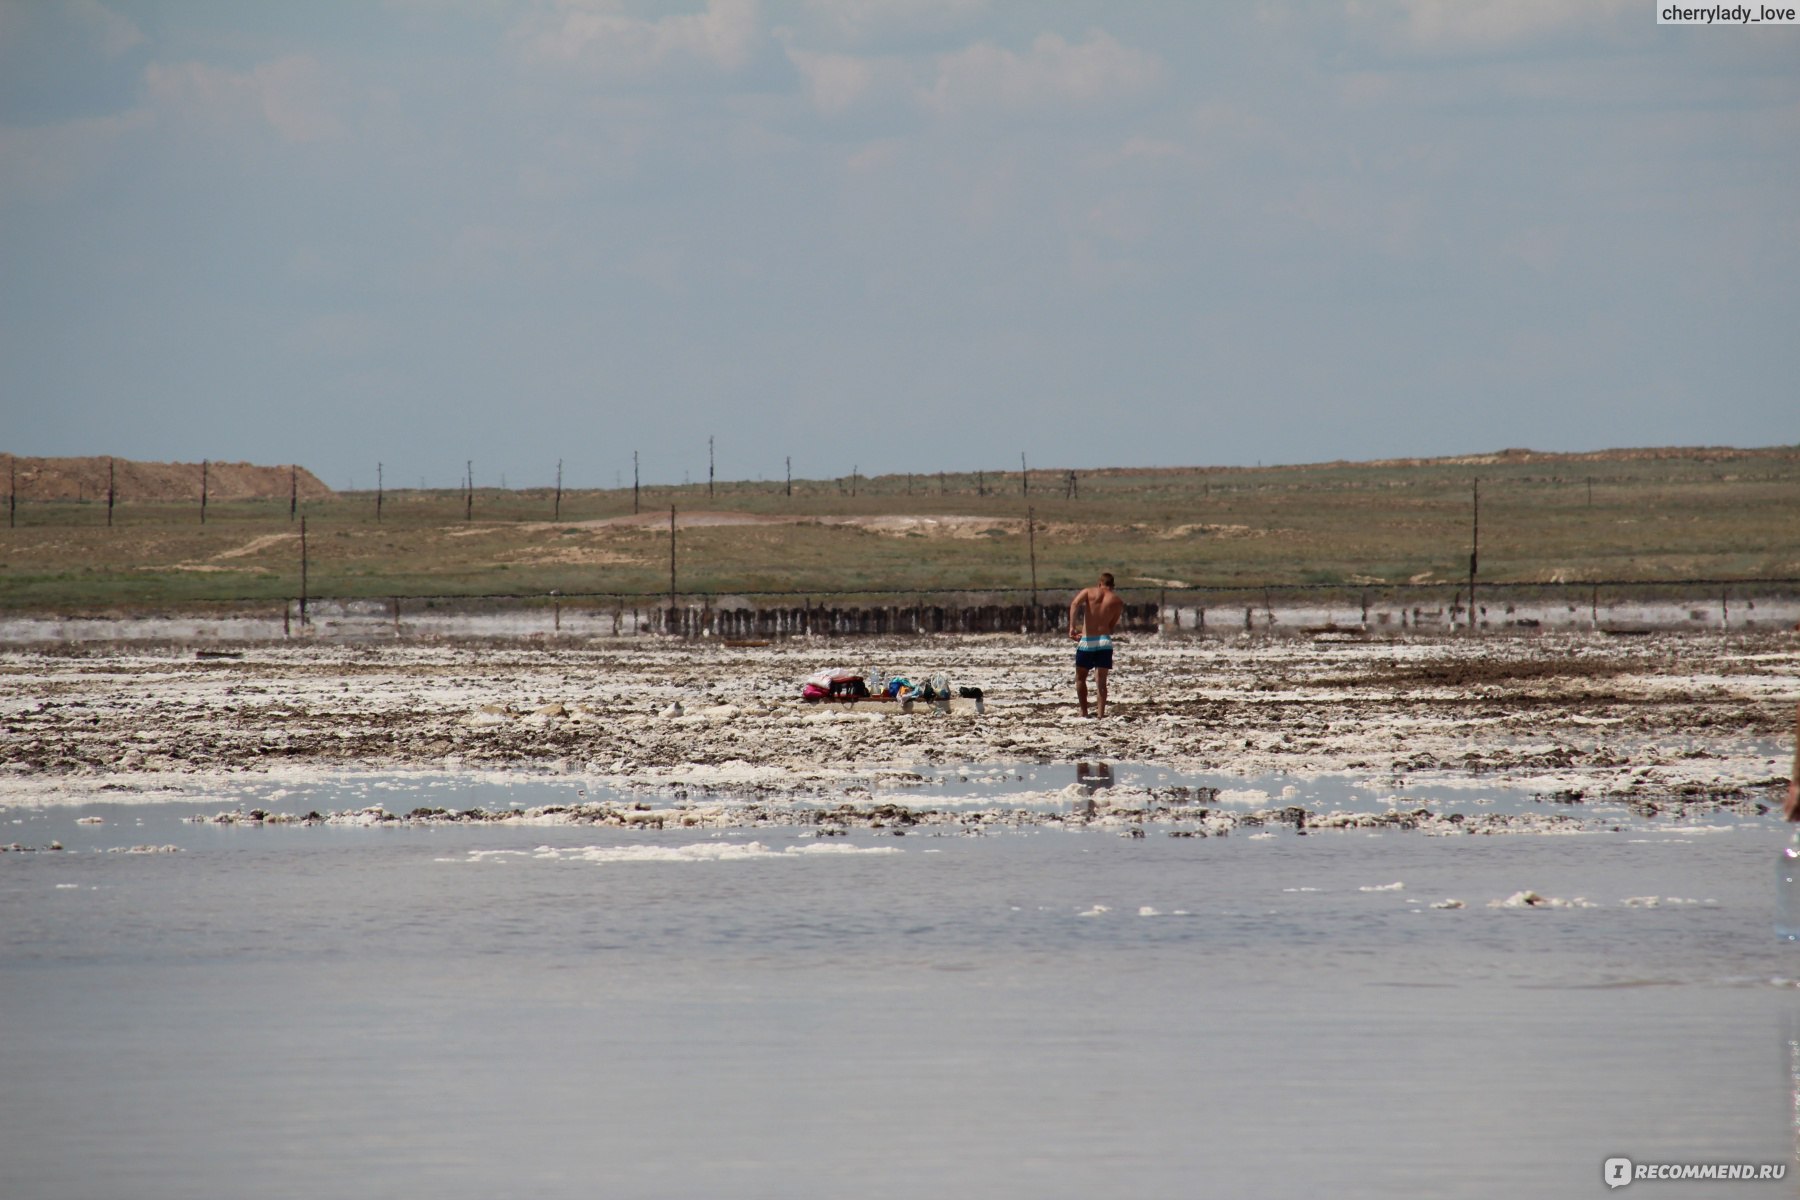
point(1664, 723)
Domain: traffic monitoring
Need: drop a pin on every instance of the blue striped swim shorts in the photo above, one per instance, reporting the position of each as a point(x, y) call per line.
point(1094, 652)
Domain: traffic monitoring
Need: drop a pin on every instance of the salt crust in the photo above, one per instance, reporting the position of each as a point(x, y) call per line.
point(128, 723)
point(698, 852)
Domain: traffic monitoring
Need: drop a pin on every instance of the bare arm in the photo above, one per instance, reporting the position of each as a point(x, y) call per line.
point(1075, 607)
point(1792, 809)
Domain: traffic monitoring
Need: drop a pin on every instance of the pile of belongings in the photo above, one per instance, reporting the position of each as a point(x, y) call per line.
point(842, 685)
point(835, 684)
point(935, 688)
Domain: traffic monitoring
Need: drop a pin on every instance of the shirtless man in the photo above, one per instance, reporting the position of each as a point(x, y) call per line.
point(1092, 635)
point(1791, 810)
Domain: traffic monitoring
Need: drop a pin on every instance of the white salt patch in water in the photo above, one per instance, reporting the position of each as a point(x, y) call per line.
point(1530, 899)
point(1247, 796)
point(1384, 887)
point(698, 852)
point(1096, 911)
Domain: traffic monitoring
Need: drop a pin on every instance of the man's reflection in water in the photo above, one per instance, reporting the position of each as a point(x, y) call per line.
point(1091, 777)
point(1792, 1046)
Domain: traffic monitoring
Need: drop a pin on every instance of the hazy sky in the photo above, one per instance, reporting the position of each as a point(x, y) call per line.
point(895, 234)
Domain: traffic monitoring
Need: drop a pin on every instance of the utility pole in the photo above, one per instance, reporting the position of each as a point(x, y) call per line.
point(1024, 476)
point(709, 466)
point(634, 481)
point(204, 464)
point(302, 572)
point(12, 491)
point(1031, 540)
point(1474, 550)
point(853, 470)
point(790, 475)
point(557, 514)
point(469, 490)
point(378, 493)
point(110, 492)
point(293, 491)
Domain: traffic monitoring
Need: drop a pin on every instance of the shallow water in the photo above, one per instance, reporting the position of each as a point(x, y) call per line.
point(471, 1011)
point(1044, 788)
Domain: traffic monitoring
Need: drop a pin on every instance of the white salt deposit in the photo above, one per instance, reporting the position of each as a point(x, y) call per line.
point(697, 852)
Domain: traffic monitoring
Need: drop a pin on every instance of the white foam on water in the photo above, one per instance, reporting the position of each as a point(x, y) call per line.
point(1246, 796)
point(692, 853)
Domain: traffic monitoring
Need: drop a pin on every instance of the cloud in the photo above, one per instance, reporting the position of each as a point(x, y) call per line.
point(47, 161)
point(336, 335)
point(861, 22)
point(1142, 148)
point(487, 253)
point(1461, 26)
point(114, 33)
point(1053, 73)
point(834, 82)
point(593, 36)
point(295, 95)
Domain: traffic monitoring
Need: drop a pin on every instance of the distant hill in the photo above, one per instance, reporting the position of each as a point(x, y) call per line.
point(85, 479)
point(1710, 454)
point(1639, 454)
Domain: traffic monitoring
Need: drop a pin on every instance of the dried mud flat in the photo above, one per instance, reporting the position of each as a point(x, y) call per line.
point(709, 733)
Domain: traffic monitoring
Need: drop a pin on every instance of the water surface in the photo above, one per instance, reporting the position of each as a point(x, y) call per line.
point(483, 1010)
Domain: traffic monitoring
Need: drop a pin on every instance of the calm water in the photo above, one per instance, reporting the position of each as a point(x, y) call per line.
point(479, 1012)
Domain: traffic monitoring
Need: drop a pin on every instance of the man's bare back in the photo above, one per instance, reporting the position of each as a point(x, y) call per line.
point(1096, 610)
point(1104, 608)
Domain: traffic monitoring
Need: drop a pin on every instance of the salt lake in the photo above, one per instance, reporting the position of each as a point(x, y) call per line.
point(485, 1009)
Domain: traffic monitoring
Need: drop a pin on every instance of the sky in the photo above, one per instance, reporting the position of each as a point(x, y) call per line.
point(888, 235)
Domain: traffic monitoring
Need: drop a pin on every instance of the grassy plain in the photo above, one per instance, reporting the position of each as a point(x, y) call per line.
point(1647, 516)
